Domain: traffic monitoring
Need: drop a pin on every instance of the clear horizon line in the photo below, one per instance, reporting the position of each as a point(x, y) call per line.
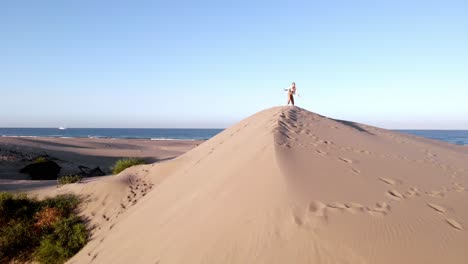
point(217, 128)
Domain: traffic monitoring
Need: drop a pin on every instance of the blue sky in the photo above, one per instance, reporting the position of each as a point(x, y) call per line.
point(394, 64)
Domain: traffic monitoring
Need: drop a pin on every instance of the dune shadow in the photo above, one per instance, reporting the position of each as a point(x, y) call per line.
point(154, 160)
point(97, 144)
point(352, 125)
point(25, 185)
point(49, 143)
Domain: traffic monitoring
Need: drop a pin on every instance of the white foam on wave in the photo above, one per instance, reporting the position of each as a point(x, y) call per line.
point(11, 136)
point(187, 139)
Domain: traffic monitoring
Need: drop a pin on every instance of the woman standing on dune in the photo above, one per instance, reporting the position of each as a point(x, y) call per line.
point(291, 92)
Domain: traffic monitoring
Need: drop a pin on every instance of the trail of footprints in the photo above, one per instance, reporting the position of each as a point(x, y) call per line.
point(383, 208)
point(439, 209)
point(138, 188)
point(380, 208)
point(322, 210)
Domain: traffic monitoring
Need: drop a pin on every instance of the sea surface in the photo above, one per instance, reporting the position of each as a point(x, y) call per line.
point(127, 133)
point(458, 137)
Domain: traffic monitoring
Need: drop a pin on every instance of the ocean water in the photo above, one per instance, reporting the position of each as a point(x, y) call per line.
point(459, 137)
point(128, 133)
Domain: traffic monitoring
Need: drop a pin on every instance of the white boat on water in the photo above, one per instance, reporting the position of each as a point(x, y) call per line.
point(62, 128)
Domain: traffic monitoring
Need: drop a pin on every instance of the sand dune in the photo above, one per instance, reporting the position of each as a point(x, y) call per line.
point(286, 186)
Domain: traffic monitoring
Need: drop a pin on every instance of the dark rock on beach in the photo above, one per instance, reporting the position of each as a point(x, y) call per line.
point(47, 170)
point(88, 172)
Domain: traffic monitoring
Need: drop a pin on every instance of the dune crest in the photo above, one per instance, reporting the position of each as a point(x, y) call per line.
point(287, 186)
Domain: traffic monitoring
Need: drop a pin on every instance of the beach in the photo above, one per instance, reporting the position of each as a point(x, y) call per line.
point(72, 153)
point(284, 185)
point(234, 132)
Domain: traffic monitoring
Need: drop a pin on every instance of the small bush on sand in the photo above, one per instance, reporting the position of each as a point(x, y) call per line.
point(122, 164)
point(17, 241)
point(69, 179)
point(16, 207)
point(47, 217)
point(47, 231)
point(68, 237)
point(40, 160)
point(65, 203)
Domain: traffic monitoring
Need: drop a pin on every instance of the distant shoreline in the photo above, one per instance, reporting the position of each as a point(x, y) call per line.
point(112, 133)
point(117, 138)
point(456, 137)
point(71, 153)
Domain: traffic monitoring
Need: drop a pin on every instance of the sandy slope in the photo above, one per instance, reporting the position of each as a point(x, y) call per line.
point(287, 186)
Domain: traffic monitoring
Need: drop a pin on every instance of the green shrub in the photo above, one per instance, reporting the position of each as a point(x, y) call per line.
point(65, 203)
point(16, 206)
point(122, 164)
point(69, 179)
point(40, 160)
point(69, 236)
point(17, 241)
point(46, 230)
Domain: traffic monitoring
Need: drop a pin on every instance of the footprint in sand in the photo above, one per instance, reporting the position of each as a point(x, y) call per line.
point(454, 224)
point(356, 205)
point(457, 187)
point(348, 207)
point(321, 152)
point(337, 205)
point(314, 209)
point(317, 208)
point(395, 195)
point(298, 221)
point(388, 181)
point(354, 208)
point(437, 194)
point(413, 191)
point(326, 142)
point(380, 209)
point(436, 207)
point(345, 160)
